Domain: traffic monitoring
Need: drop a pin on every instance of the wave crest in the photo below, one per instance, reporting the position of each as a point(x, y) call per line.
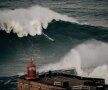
point(30, 20)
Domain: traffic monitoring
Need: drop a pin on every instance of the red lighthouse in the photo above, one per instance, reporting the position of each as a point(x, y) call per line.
point(31, 71)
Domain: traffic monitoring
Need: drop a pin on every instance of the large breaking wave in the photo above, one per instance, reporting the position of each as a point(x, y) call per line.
point(30, 20)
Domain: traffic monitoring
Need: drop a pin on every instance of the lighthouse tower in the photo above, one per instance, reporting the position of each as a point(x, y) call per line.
point(31, 71)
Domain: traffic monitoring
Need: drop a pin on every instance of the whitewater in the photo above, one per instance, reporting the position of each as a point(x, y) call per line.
point(29, 21)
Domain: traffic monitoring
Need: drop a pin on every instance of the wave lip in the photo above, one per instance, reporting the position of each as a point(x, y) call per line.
point(30, 20)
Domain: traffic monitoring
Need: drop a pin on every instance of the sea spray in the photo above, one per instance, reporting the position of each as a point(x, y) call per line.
point(99, 72)
point(93, 53)
point(29, 20)
point(70, 60)
point(88, 59)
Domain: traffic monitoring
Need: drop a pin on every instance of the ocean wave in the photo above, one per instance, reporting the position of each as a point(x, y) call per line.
point(29, 21)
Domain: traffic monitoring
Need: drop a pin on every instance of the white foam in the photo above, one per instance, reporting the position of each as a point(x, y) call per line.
point(30, 20)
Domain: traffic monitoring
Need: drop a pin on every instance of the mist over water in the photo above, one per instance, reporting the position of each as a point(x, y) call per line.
point(89, 59)
point(71, 60)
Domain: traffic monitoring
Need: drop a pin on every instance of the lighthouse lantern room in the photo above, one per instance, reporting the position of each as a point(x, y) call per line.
point(31, 70)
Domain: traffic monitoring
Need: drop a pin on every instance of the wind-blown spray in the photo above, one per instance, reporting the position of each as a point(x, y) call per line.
point(88, 58)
